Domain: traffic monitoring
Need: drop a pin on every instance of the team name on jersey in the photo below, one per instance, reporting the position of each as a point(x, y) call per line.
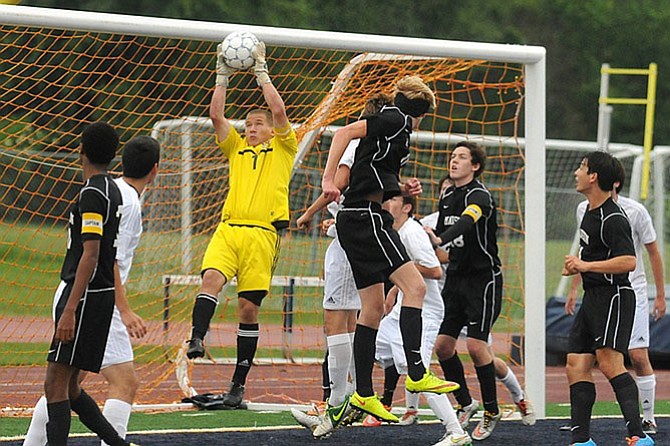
point(583, 236)
point(450, 220)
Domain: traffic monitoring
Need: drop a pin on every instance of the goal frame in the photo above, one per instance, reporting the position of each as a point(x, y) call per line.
point(533, 59)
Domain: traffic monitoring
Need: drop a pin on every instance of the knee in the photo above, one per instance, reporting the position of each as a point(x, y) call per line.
point(443, 350)
point(212, 282)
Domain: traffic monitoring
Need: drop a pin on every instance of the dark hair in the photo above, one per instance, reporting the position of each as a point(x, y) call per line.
point(619, 174)
point(602, 163)
point(443, 180)
point(140, 155)
point(99, 142)
point(478, 154)
point(411, 200)
point(375, 103)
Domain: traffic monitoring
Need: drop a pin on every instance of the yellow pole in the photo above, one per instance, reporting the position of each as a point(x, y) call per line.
point(648, 129)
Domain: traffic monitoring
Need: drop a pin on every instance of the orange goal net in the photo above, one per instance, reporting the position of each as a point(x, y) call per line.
point(55, 81)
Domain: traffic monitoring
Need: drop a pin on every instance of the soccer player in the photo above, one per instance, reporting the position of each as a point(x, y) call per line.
point(643, 235)
point(246, 242)
point(85, 297)
point(389, 348)
point(467, 406)
point(473, 289)
point(341, 301)
point(140, 166)
point(373, 247)
point(603, 324)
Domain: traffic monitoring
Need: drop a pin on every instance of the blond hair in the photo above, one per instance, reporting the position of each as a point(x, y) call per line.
point(413, 87)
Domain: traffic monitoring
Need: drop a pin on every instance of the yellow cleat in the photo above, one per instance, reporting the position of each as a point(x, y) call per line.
point(372, 406)
point(431, 384)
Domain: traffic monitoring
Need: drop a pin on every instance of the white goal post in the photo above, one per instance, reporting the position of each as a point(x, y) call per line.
point(531, 57)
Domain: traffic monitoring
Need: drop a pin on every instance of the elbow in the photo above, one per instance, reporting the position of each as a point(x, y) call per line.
point(434, 273)
point(630, 264)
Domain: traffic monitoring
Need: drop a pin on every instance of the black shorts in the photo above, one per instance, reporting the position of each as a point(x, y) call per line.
point(473, 300)
point(373, 247)
point(605, 319)
point(93, 317)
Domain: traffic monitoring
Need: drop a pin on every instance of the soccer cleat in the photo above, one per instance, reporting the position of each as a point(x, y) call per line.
point(370, 421)
point(637, 441)
point(452, 439)
point(430, 383)
point(409, 417)
point(649, 427)
point(485, 427)
point(318, 408)
point(372, 406)
point(306, 420)
point(565, 428)
point(331, 419)
point(527, 412)
point(464, 414)
point(586, 443)
point(196, 348)
point(234, 396)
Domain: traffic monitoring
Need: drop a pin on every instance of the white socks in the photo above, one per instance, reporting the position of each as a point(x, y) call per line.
point(411, 400)
point(117, 413)
point(37, 431)
point(339, 358)
point(646, 386)
point(513, 385)
point(444, 411)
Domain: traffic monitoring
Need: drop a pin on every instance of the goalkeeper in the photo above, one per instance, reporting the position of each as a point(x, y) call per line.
point(246, 241)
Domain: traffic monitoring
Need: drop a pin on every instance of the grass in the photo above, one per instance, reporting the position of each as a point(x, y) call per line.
point(16, 426)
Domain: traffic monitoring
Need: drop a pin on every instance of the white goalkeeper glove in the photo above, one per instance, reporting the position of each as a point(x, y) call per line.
point(261, 66)
point(222, 69)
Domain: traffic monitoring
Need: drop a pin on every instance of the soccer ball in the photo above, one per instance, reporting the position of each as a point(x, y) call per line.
point(237, 47)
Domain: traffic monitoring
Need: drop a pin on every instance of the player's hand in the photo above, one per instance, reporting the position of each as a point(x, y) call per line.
point(134, 324)
point(261, 66)
point(330, 191)
point(326, 224)
point(304, 221)
point(573, 265)
point(434, 239)
point(571, 303)
point(223, 71)
point(65, 327)
point(659, 307)
point(413, 187)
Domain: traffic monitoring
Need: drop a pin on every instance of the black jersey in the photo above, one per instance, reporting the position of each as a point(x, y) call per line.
point(95, 215)
point(477, 249)
point(604, 234)
point(380, 155)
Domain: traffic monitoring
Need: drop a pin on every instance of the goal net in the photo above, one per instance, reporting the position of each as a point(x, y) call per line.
point(155, 76)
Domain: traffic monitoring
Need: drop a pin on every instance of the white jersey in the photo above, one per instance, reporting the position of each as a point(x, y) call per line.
point(420, 250)
point(130, 227)
point(643, 234)
point(346, 160)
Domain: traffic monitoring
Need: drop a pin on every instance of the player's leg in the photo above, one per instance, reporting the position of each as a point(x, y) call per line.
point(123, 385)
point(325, 377)
point(218, 265)
point(340, 352)
point(582, 394)
point(509, 379)
point(638, 351)
point(37, 434)
point(58, 402)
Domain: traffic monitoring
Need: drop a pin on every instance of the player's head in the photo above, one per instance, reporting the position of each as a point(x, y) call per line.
point(620, 175)
point(140, 157)
point(401, 207)
point(414, 97)
point(468, 161)
point(99, 142)
point(445, 183)
point(375, 103)
point(258, 127)
point(597, 168)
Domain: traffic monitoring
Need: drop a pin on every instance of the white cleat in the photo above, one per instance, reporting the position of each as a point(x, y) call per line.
point(409, 417)
point(527, 412)
point(308, 421)
point(485, 427)
point(451, 439)
point(464, 414)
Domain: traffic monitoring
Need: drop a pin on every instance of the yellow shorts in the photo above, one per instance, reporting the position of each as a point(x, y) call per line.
point(248, 252)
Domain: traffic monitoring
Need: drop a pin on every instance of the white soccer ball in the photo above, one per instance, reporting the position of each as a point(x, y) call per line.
point(237, 48)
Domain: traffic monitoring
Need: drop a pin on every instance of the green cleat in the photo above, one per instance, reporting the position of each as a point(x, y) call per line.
point(333, 417)
point(372, 406)
point(431, 384)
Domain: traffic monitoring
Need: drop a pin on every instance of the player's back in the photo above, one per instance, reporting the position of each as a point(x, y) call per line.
point(130, 227)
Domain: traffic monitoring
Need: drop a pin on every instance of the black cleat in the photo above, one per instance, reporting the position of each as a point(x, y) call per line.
point(234, 396)
point(196, 349)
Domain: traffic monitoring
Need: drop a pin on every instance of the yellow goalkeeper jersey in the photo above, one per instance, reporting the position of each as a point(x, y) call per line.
point(259, 179)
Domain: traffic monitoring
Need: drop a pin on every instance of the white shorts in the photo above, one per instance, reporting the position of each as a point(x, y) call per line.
point(639, 337)
point(118, 349)
point(389, 347)
point(464, 335)
point(339, 290)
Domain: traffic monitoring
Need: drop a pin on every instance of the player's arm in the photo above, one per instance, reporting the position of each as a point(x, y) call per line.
point(616, 265)
point(478, 205)
point(339, 144)
point(657, 269)
point(429, 273)
point(390, 300)
point(218, 103)
point(133, 322)
point(85, 269)
point(270, 93)
point(442, 255)
point(341, 182)
point(571, 300)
